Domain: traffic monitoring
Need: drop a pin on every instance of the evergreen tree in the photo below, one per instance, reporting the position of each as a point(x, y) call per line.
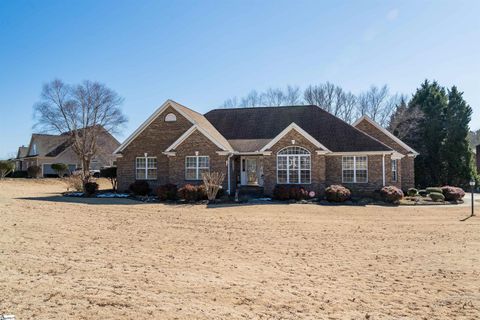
point(455, 149)
point(432, 100)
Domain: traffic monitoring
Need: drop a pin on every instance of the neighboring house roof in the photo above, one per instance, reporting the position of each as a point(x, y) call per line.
point(266, 123)
point(198, 121)
point(42, 144)
point(22, 152)
point(386, 132)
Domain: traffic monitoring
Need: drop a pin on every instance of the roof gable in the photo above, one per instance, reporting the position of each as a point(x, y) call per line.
point(195, 118)
point(393, 141)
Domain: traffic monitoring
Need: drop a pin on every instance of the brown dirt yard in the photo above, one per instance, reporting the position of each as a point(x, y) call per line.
point(63, 258)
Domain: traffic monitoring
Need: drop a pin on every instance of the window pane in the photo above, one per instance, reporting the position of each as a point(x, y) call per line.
point(282, 163)
point(294, 150)
point(293, 176)
point(347, 163)
point(190, 174)
point(152, 162)
point(191, 162)
point(305, 176)
point(140, 163)
point(200, 173)
point(152, 174)
point(347, 175)
point(282, 176)
point(292, 163)
point(140, 174)
point(361, 176)
point(361, 163)
point(304, 162)
point(203, 162)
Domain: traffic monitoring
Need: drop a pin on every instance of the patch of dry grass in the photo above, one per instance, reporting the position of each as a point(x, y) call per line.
point(129, 260)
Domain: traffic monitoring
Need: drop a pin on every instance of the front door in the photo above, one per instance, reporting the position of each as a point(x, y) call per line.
point(249, 171)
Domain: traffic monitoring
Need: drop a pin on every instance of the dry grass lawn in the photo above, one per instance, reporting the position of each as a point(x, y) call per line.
point(118, 259)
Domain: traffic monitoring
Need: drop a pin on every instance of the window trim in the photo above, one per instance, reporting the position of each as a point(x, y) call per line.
point(394, 176)
point(146, 157)
point(197, 167)
point(355, 168)
point(299, 170)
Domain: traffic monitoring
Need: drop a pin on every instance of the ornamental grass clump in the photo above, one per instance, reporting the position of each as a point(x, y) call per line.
point(434, 189)
point(412, 192)
point(453, 193)
point(337, 193)
point(436, 196)
point(391, 194)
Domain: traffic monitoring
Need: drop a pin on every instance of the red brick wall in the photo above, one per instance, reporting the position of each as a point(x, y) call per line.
point(158, 136)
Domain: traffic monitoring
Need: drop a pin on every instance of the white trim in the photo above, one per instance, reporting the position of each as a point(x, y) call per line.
point(397, 156)
point(187, 134)
point(320, 152)
point(386, 132)
point(299, 169)
point(252, 153)
point(293, 125)
point(197, 167)
point(359, 153)
point(170, 154)
point(146, 157)
point(383, 170)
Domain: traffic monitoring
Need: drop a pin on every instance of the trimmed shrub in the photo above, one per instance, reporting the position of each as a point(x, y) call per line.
point(337, 193)
point(91, 188)
point(289, 192)
point(61, 169)
point(190, 192)
point(423, 193)
point(436, 196)
point(167, 192)
point(140, 188)
point(34, 171)
point(391, 194)
point(434, 189)
point(18, 174)
point(452, 193)
point(412, 192)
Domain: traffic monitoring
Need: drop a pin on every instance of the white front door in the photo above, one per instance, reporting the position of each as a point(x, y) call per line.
point(249, 171)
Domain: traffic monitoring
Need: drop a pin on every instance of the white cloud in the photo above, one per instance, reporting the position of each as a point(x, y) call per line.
point(392, 14)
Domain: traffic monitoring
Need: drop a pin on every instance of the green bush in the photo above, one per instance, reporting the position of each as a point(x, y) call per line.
point(436, 196)
point(61, 169)
point(140, 188)
point(391, 194)
point(167, 192)
point(423, 193)
point(337, 193)
point(453, 193)
point(412, 192)
point(90, 188)
point(34, 171)
point(434, 189)
point(6, 167)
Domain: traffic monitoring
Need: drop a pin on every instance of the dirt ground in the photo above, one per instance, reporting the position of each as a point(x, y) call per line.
point(64, 258)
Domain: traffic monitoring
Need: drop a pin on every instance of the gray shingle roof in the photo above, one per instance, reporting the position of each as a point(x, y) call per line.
point(265, 123)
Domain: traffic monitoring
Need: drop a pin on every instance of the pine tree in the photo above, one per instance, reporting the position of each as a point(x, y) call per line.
point(432, 100)
point(455, 149)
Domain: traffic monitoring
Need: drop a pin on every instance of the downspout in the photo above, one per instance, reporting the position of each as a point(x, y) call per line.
point(383, 168)
point(228, 172)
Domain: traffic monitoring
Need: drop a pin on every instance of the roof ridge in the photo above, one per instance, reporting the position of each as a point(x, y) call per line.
point(265, 107)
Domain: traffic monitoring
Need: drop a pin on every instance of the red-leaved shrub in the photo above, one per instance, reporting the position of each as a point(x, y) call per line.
point(453, 193)
point(289, 192)
point(140, 188)
point(191, 192)
point(337, 193)
point(167, 192)
point(391, 194)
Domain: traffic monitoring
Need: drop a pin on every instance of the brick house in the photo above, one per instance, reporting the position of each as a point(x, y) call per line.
point(47, 149)
point(262, 147)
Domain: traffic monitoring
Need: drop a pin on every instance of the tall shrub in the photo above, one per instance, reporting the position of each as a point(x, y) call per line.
point(6, 167)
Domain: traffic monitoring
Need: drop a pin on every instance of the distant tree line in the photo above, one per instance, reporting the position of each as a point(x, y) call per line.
point(434, 122)
point(377, 102)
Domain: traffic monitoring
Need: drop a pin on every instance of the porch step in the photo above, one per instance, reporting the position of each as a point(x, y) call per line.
point(250, 191)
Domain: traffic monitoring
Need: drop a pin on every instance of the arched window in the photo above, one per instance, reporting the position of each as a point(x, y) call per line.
point(293, 166)
point(170, 117)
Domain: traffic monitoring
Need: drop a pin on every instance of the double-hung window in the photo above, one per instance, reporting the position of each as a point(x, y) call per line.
point(146, 168)
point(195, 166)
point(293, 166)
point(354, 169)
point(394, 170)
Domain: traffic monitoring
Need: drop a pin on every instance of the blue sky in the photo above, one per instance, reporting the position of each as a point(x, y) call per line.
point(201, 52)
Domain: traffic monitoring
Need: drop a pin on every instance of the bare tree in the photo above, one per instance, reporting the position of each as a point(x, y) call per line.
point(293, 96)
point(82, 112)
point(253, 99)
point(274, 97)
point(405, 121)
point(230, 103)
